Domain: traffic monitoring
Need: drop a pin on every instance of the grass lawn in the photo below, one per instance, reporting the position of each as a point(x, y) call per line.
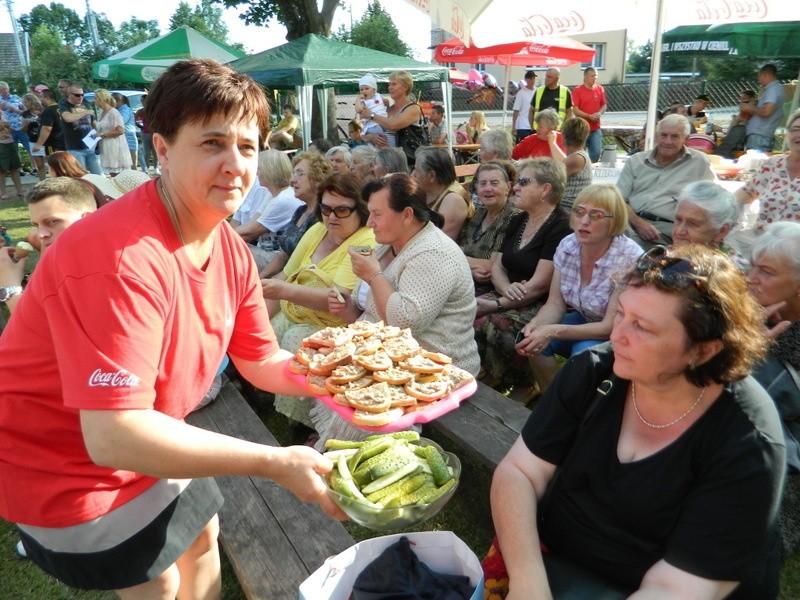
point(467, 514)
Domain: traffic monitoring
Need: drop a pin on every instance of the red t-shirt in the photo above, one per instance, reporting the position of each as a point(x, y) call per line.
point(533, 147)
point(589, 101)
point(115, 317)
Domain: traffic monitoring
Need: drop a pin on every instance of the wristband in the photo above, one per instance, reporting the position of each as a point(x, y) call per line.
point(499, 306)
point(374, 275)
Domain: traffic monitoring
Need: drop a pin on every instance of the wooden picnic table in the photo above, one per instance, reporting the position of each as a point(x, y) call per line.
point(464, 153)
point(273, 540)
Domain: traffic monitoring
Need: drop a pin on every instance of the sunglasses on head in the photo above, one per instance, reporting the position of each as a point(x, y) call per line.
point(340, 211)
point(77, 95)
point(673, 272)
point(523, 181)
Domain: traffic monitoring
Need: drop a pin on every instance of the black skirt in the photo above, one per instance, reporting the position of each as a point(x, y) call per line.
point(144, 555)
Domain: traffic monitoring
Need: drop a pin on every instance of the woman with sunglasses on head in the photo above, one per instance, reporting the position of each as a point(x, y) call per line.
point(582, 302)
point(662, 459)
point(297, 297)
point(521, 272)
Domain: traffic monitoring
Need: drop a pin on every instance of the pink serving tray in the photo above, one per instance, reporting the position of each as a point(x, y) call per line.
point(434, 410)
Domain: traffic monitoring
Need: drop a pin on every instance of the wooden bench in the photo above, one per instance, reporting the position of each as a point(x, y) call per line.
point(272, 539)
point(485, 425)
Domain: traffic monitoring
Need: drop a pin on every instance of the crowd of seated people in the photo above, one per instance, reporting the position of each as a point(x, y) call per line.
point(548, 280)
point(540, 263)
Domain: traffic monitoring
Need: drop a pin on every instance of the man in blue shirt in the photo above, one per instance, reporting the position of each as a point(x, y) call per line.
point(767, 114)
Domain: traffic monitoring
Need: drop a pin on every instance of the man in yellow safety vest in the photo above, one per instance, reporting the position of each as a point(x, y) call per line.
point(552, 95)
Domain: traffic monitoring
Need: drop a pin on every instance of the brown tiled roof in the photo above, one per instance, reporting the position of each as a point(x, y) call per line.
point(9, 59)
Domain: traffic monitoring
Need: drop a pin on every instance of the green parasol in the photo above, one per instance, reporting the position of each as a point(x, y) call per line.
point(145, 62)
point(776, 39)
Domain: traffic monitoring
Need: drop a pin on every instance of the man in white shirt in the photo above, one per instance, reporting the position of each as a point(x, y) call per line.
point(520, 125)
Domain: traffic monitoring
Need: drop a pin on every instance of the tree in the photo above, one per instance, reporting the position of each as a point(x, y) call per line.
point(376, 30)
point(52, 60)
point(203, 18)
point(300, 18)
point(57, 18)
point(136, 31)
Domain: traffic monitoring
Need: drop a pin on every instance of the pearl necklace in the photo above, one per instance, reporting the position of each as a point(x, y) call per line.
point(671, 423)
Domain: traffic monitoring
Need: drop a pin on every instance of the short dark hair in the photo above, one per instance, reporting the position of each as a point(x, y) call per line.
point(347, 185)
point(589, 68)
point(749, 93)
point(719, 307)
point(49, 94)
point(438, 109)
point(769, 68)
point(404, 192)
point(530, 74)
point(193, 91)
point(76, 195)
point(288, 107)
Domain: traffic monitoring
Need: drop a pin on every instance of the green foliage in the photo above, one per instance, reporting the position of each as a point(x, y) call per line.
point(639, 58)
point(136, 31)
point(51, 60)
point(203, 18)
point(58, 18)
point(377, 31)
point(299, 18)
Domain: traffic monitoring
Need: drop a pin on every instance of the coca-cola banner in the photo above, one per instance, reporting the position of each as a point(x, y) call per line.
point(493, 22)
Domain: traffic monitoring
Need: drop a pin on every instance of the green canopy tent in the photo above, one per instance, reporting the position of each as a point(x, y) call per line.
point(763, 39)
point(313, 63)
point(145, 62)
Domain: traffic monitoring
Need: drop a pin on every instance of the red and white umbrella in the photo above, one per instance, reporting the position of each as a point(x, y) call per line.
point(543, 51)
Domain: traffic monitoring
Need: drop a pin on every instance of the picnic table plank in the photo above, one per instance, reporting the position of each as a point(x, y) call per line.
point(273, 540)
point(510, 412)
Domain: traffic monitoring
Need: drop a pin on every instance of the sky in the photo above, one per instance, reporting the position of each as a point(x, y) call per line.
point(414, 27)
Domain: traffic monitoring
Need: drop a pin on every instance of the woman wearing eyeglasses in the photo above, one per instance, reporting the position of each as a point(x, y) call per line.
point(662, 459)
point(521, 272)
point(297, 297)
point(308, 170)
point(582, 302)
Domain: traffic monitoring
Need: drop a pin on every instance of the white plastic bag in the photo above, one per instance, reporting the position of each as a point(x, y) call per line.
point(442, 551)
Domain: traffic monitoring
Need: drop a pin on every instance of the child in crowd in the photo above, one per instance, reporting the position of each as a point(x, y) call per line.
point(370, 98)
point(5, 239)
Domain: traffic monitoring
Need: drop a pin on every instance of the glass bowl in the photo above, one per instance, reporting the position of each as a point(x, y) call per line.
point(387, 519)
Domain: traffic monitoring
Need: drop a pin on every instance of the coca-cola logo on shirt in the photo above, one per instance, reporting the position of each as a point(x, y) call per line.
point(119, 378)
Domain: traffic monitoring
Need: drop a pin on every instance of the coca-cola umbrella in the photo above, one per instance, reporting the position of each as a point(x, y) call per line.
point(549, 51)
